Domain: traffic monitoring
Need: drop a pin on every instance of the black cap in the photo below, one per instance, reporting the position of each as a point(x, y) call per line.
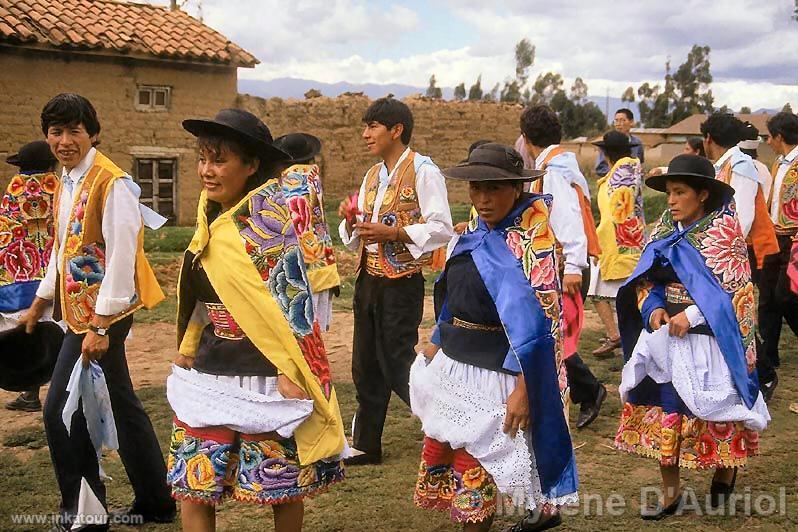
point(241, 126)
point(33, 156)
point(492, 162)
point(301, 147)
point(691, 168)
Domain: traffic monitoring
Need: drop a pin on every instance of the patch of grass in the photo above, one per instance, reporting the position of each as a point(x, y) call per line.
point(30, 437)
point(174, 239)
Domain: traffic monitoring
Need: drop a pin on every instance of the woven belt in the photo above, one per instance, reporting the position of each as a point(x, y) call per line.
point(373, 264)
point(457, 322)
point(791, 231)
point(677, 294)
point(224, 326)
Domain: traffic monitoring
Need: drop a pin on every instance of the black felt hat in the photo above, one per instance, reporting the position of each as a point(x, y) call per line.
point(615, 139)
point(492, 162)
point(27, 360)
point(692, 169)
point(241, 126)
point(33, 156)
point(301, 147)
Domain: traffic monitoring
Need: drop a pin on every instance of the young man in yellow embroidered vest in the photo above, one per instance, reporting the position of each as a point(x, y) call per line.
point(573, 226)
point(776, 300)
point(404, 218)
point(96, 278)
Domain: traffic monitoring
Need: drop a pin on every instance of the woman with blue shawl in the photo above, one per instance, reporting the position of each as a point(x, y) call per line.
point(487, 391)
point(689, 387)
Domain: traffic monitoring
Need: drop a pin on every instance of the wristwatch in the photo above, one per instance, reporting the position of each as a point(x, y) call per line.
point(99, 331)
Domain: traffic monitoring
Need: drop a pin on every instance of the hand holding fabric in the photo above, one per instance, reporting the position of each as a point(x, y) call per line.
point(377, 233)
point(288, 389)
point(679, 325)
point(658, 318)
point(517, 416)
point(93, 347)
point(184, 362)
point(571, 283)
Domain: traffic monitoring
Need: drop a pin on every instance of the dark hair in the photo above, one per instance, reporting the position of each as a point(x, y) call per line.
point(714, 201)
point(614, 154)
point(750, 132)
point(70, 109)
point(389, 112)
point(786, 125)
point(476, 144)
point(725, 129)
point(540, 126)
point(697, 144)
point(266, 168)
point(628, 112)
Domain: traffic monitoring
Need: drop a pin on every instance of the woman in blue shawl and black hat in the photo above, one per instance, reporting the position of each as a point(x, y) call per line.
point(689, 385)
point(487, 391)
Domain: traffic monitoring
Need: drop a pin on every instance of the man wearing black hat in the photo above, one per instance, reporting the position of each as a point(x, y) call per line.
point(302, 184)
point(96, 279)
point(404, 217)
point(27, 211)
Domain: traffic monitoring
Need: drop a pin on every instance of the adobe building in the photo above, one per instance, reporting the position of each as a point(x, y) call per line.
point(144, 68)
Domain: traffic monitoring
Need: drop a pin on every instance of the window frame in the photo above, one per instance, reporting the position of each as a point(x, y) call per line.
point(154, 199)
point(153, 90)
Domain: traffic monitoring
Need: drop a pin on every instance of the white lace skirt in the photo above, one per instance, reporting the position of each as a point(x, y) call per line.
point(250, 405)
point(464, 406)
point(696, 368)
point(601, 288)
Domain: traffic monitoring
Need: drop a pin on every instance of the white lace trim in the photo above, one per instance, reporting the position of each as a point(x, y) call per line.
point(251, 405)
point(464, 406)
point(696, 368)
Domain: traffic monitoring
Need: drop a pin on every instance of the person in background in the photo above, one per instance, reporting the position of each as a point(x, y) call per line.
point(302, 184)
point(571, 220)
point(622, 122)
point(749, 146)
point(621, 232)
point(777, 303)
point(26, 216)
point(692, 146)
point(404, 218)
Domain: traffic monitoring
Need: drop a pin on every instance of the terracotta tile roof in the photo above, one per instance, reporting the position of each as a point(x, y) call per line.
point(692, 124)
point(117, 27)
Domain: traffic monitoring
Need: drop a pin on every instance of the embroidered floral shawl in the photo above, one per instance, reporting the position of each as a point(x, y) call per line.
point(710, 258)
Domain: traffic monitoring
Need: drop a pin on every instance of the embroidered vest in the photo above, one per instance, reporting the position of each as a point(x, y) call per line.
point(399, 208)
point(83, 263)
point(304, 197)
point(762, 236)
point(787, 214)
point(588, 222)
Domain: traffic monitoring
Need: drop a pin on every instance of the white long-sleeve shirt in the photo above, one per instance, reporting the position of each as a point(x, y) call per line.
point(765, 179)
point(745, 182)
point(562, 171)
point(121, 224)
point(435, 231)
point(778, 180)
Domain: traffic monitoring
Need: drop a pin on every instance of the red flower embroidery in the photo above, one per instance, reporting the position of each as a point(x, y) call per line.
point(316, 356)
point(22, 260)
point(630, 233)
point(790, 209)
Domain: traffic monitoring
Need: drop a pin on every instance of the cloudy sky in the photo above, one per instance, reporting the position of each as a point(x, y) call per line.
point(611, 44)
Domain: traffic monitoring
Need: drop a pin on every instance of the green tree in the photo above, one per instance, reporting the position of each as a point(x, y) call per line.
point(460, 92)
point(787, 108)
point(433, 91)
point(745, 110)
point(545, 87)
point(475, 92)
point(493, 95)
point(577, 119)
point(628, 95)
point(511, 92)
point(524, 59)
point(579, 90)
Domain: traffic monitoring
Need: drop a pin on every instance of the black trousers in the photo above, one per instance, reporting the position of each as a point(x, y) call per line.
point(776, 301)
point(584, 386)
point(387, 316)
point(73, 454)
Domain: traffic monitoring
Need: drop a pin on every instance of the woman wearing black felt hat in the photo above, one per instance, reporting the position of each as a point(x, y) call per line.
point(689, 386)
point(304, 193)
point(256, 416)
point(495, 356)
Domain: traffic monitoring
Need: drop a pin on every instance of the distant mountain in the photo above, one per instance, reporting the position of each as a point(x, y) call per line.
point(296, 88)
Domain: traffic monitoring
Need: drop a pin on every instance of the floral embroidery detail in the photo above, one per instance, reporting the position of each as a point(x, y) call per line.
point(689, 442)
point(626, 206)
point(788, 197)
point(726, 253)
point(469, 497)
point(207, 467)
point(407, 194)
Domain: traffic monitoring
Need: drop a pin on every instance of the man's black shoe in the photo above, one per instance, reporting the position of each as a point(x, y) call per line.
point(588, 412)
point(134, 517)
point(24, 404)
point(364, 459)
point(768, 388)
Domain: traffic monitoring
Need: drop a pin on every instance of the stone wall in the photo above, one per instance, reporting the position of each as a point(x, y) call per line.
point(30, 78)
point(442, 130)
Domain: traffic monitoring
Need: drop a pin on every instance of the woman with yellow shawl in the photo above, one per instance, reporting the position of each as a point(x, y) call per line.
point(620, 232)
point(256, 416)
